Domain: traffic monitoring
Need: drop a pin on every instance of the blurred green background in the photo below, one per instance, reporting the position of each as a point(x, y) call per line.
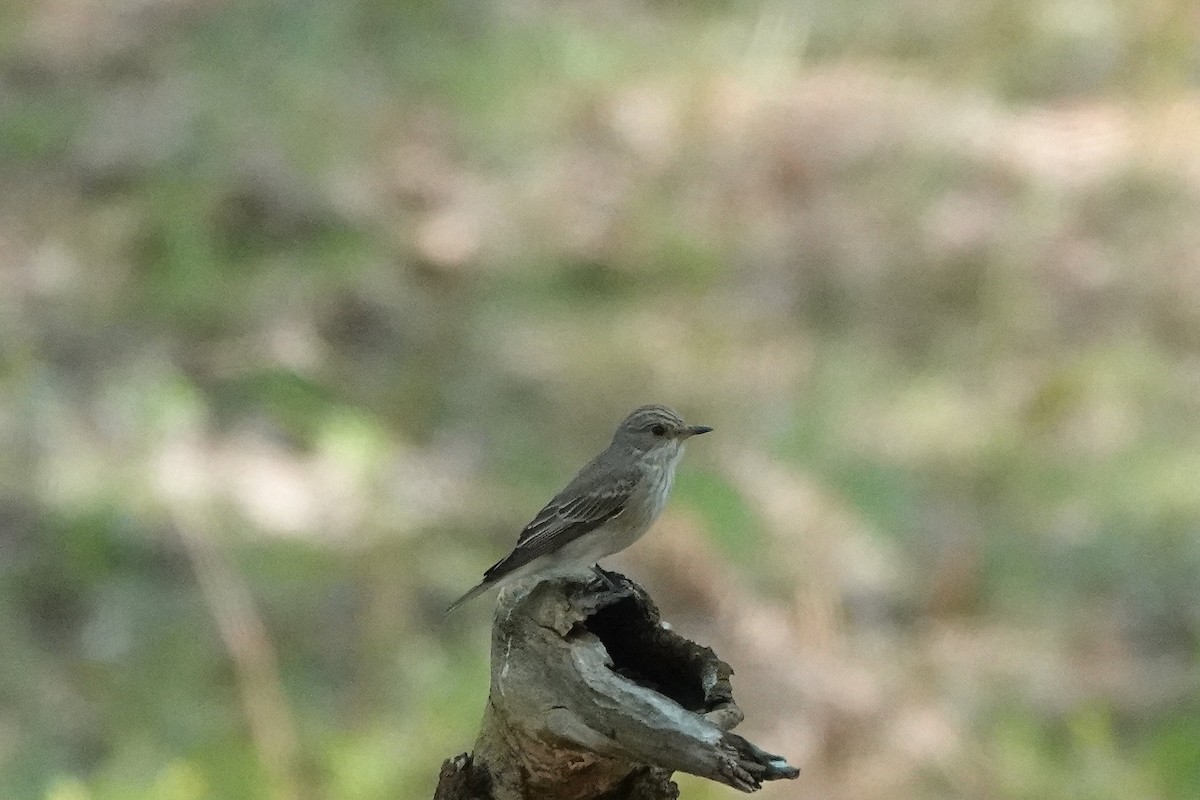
point(307, 306)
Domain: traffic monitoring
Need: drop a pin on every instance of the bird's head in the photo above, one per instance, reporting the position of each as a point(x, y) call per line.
point(653, 427)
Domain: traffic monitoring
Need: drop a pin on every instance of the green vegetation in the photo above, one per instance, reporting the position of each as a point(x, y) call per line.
point(306, 306)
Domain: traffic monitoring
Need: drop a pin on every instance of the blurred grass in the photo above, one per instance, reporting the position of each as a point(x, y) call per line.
point(365, 283)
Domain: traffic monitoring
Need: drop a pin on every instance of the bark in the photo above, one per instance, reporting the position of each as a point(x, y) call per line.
point(594, 698)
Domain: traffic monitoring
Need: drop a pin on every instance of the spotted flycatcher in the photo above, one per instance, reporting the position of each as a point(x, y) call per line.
point(607, 507)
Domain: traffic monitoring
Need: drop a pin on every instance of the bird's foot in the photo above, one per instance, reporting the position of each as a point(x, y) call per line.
point(604, 581)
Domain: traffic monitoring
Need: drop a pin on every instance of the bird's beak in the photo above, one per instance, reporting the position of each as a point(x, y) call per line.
point(693, 430)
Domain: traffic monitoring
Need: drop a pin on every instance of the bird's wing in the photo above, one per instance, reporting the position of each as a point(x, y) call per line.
point(582, 507)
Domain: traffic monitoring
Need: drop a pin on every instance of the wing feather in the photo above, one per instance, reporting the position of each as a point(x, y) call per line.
point(575, 511)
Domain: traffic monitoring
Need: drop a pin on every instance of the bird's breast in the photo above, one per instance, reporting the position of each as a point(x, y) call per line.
point(644, 507)
point(660, 476)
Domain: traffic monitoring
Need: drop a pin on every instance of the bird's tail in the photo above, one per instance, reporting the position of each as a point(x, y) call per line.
point(479, 589)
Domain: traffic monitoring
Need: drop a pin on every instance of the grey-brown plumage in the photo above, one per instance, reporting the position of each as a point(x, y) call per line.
point(607, 506)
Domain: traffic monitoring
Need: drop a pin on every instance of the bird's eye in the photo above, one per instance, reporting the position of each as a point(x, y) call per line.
point(659, 430)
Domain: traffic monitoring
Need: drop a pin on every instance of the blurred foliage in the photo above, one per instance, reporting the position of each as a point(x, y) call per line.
point(305, 307)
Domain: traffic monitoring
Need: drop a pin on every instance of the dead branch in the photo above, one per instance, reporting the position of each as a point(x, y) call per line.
point(594, 698)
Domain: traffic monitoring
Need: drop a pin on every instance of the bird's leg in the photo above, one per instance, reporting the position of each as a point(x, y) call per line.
point(603, 576)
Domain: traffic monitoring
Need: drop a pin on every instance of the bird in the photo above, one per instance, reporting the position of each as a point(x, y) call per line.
point(607, 506)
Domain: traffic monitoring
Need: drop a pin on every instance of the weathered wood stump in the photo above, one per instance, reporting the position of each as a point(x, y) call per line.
point(594, 698)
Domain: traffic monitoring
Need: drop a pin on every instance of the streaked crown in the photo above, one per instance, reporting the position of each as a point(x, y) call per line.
point(654, 429)
point(647, 417)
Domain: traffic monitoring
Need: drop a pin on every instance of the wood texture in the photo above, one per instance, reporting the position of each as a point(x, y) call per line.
point(593, 698)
